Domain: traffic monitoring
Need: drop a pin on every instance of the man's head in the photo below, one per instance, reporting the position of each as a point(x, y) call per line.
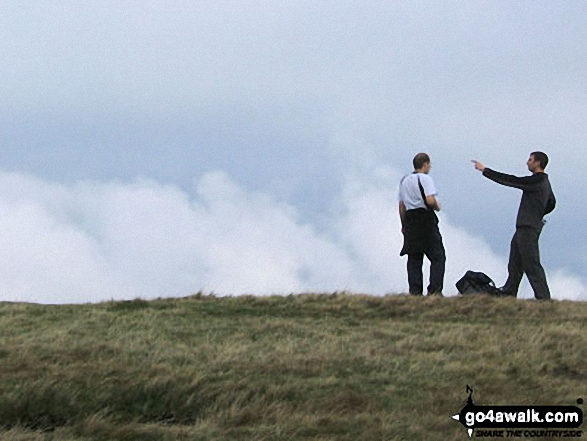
point(537, 162)
point(422, 163)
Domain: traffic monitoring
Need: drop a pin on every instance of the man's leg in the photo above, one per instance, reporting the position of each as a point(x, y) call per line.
point(515, 269)
point(437, 257)
point(415, 278)
point(531, 263)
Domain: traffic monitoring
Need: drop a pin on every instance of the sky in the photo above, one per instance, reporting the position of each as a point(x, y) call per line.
point(153, 149)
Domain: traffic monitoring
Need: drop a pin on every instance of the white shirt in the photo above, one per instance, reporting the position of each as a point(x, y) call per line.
point(409, 191)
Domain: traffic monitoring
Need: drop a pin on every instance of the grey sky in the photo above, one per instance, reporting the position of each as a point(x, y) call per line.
point(290, 98)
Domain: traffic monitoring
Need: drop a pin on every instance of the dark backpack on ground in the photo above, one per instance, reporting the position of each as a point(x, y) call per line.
point(474, 282)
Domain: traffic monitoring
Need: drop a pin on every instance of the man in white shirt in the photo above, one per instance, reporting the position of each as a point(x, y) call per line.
point(417, 206)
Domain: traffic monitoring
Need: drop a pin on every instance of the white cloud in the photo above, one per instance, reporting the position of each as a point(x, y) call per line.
point(165, 84)
point(93, 241)
point(564, 286)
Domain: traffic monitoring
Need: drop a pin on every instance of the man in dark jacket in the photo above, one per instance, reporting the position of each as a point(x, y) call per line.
point(537, 201)
point(417, 206)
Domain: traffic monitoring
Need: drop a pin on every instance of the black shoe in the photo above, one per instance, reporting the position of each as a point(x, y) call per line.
point(500, 292)
point(435, 294)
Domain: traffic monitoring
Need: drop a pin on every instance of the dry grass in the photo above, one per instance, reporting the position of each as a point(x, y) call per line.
point(321, 367)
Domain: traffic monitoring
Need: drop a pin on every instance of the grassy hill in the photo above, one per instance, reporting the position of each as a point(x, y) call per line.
point(321, 367)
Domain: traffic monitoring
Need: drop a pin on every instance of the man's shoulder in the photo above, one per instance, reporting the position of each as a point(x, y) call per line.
point(424, 178)
point(538, 177)
point(407, 178)
point(415, 177)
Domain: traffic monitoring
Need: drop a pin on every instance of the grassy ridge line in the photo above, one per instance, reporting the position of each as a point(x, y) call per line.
point(345, 367)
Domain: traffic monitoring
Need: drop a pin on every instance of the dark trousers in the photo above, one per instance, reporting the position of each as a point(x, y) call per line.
point(434, 251)
point(525, 259)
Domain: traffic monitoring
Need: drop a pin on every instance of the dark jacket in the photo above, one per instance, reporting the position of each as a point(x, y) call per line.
point(537, 197)
point(421, 228)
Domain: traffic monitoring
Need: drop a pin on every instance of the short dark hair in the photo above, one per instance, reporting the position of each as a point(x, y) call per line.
point(420, 159)
point(540, 157)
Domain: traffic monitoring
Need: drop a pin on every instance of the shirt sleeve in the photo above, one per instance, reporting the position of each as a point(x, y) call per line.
point(550, 204)
point(400, 192)
point(428, 185)
point(526, 183)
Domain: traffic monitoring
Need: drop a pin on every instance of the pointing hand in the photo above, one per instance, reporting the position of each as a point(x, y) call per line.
point(478, 165)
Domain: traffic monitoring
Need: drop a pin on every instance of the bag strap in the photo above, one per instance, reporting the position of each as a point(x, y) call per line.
point(428, 207)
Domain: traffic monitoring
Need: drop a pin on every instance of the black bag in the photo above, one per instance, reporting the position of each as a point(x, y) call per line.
point(474, 282)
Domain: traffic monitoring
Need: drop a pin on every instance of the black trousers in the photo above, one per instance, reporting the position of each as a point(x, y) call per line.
point(434, 251)
point(525, 259)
